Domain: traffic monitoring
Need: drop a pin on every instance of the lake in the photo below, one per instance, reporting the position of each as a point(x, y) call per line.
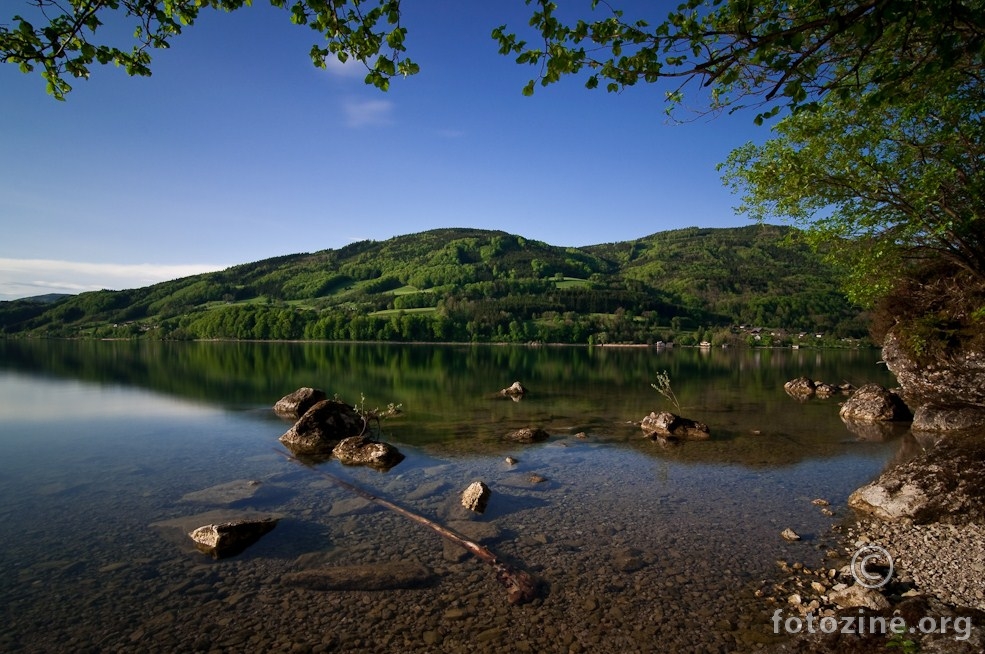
point(636, 547)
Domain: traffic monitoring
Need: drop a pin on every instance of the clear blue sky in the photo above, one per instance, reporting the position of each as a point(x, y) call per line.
point(238, 149)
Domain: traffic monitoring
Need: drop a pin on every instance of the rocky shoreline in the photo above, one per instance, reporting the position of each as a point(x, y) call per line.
point(926, 515)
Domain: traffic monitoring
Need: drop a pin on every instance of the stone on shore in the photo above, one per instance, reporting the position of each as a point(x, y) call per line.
point(945, 483)
point(856, 596)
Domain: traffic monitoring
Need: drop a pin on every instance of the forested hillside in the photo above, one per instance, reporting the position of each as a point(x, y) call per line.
point(468, 285)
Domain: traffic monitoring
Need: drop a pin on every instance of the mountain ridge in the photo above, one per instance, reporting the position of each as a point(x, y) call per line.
point(478, 285)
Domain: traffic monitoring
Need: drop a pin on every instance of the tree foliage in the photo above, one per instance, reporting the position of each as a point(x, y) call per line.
point(743, 51)
point(888, 184)
point(64, 38)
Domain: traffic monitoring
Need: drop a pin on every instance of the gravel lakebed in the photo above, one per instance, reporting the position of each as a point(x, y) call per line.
point(631, 553)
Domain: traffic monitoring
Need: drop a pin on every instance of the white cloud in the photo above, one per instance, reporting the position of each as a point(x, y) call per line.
point(351, 68)
point(363, 113)
point(27, 277)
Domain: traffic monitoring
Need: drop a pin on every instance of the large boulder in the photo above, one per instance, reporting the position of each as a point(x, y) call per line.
point(668, 425)
point(874, 403)
point(948, 392)
point(363, 451)
point(944, 483)
point(294, 405)
point(322, 427)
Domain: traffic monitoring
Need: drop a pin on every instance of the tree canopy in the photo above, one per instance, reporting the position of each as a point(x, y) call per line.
point(740, 51)
point(893, 183)
point(64, 37)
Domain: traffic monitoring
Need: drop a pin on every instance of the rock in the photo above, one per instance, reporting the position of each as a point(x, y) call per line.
point(789, 534)
point(230, 538)
point(528, 435)
point(873, 403)
point(856, 596)
point(294, 405)
point(322, 427)
point(945, 385)
point(904, 501)
point(476, 497)
point(801, 387)
point(822, 389)
point(944, 483)
point(377, 576)
point(515, 390)
point(176, 530)
point(669, 425)
point(510, 461)
point(362, 451)
point(820, 502)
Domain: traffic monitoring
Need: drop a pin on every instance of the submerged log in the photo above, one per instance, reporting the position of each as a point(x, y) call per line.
point(519, 584)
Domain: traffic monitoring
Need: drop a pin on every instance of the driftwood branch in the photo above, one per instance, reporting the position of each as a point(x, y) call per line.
point(519, 584)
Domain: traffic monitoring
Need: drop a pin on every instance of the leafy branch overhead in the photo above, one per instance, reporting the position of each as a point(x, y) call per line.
point(63, 38)
point(755, 52)
point(737, 51)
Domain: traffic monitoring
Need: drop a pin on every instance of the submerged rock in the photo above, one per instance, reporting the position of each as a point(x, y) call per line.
point(228, 493)
point(377, 576)
point(322, 427)
point(363, 451)
point(938, 418)
point(873, 403)
point(528, 435)
point(671, 426)
point(230, 538)
point(294, 405)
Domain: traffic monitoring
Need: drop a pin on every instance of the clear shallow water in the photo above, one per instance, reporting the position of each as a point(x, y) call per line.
point(638, 548)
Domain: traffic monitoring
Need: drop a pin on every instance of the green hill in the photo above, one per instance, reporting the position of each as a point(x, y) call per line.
point(469, 285)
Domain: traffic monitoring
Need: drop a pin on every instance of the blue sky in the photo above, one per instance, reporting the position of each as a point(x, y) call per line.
point(238, 149)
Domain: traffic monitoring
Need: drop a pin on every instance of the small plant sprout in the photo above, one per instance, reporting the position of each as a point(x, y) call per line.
point(663, 387)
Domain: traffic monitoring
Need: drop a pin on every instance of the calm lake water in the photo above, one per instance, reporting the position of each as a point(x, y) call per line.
point(637, 547)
